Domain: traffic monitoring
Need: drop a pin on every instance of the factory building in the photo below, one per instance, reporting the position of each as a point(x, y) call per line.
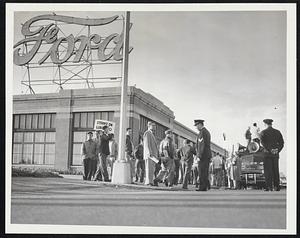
point(49, 128)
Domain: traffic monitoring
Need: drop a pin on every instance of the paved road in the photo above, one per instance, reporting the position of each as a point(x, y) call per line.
point(67, 201)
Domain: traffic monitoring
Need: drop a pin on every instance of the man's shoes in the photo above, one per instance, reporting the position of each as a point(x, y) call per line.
point(184, 188)
point(166, 183)
point(202, 189)
point(268, 189)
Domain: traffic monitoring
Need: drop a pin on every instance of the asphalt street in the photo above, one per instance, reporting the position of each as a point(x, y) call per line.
point(75, 202)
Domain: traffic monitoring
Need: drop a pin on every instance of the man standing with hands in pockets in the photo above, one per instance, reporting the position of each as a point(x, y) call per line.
point(150, 153)
point(203, 153)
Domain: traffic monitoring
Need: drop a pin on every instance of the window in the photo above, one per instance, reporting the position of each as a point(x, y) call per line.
point(34, 139)
point(82, 123)
point(34, 121)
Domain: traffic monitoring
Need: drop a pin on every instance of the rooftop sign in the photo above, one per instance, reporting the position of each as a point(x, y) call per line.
point(48, 34)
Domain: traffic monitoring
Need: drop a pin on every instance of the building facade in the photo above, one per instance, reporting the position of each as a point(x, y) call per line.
point(48, 129)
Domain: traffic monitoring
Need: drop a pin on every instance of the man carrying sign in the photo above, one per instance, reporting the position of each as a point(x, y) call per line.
point(103, 150)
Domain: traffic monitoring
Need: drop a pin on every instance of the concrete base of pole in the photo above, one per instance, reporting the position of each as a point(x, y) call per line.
point(121, 173)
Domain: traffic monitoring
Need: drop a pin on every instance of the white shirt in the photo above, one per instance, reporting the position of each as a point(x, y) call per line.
point(255, 132)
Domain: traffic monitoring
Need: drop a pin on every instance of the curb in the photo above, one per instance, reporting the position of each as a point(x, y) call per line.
point(132, 186)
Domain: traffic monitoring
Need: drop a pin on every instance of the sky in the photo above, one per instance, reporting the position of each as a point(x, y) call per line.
point(228, 68)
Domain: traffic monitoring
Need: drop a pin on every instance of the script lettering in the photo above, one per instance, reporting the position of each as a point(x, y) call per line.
point(49, 35)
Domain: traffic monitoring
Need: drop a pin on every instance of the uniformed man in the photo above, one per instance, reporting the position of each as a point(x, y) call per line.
point(203, 153)
point(89, 157)
point(272, 141)
point(167, 154)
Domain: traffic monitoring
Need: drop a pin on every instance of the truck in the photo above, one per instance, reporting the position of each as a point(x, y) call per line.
point(252, 168)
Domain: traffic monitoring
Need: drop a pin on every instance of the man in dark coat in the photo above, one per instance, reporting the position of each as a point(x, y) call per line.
point(103, 150)
point(186, 154)
point(203, 153)
point(272, 141)
point(89, 155)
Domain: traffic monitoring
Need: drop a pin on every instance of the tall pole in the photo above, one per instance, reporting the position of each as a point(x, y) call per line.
point(121, 168)
point(123, 109)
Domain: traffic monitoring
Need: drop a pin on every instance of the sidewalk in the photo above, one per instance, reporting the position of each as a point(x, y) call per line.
point(133, 186)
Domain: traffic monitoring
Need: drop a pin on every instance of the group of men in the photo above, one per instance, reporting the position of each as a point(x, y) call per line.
point(165, 153)
point(157, 162)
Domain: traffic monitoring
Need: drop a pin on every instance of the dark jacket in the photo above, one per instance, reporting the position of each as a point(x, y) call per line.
point(186, 153)
point(103, 146)
point(271, 139)
point(128, 148)
point(203, 150)
point(139, 152)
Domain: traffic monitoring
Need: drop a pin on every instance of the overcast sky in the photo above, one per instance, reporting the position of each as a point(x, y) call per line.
point(228, 68)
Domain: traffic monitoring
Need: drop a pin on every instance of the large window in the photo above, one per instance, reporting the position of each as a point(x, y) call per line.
point(34, 139)
point(160, 129)
point(82, 123)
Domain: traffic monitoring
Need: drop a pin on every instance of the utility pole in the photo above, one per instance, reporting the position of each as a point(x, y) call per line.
point(121, 168)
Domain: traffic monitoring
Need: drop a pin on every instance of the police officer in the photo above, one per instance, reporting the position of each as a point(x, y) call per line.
point(203, 153)
point(89, 157)
point(272, 141)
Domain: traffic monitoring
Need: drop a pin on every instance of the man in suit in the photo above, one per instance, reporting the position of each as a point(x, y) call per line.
point(150, 150)
point(89, 156)
point(103, 150)
point(203, 153)
point(272, 141)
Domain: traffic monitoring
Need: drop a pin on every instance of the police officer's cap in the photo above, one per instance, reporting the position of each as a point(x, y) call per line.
point(169, 131)
point(198, 121)
point(89, 132)
point(268, 121)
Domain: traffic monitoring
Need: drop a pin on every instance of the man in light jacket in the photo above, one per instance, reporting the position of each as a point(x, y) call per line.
point(150, 153)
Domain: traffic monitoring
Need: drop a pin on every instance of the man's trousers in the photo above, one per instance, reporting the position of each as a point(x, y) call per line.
point(203, 166)
point(271, 171)
point(102, 168)
point(89, 168)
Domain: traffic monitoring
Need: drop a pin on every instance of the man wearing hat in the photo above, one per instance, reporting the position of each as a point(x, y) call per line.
point(150, 151)
point(103, 150)
point(167, 154)
point(272, 141)
point(203, 153)
point(89, 157)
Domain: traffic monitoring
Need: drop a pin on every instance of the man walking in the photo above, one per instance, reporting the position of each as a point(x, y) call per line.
point(150, 153)
point(89, 156)
point(140, 162)
point(187, 153)
point(167, 154)
point(203, 153)
point(272, 141)
point(103, 150)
